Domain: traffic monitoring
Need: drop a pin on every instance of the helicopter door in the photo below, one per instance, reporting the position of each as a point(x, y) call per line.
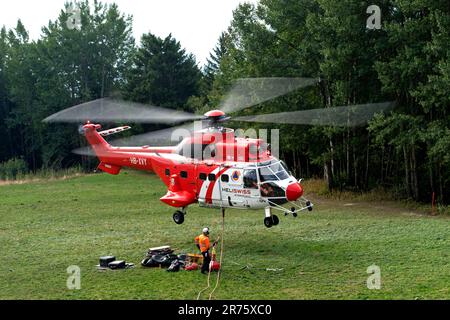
point(250, 179)
point(239, 188)
point(231, 182)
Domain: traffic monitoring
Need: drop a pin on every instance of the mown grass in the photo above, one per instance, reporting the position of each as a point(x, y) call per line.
point(319, 187)
point(47, 226)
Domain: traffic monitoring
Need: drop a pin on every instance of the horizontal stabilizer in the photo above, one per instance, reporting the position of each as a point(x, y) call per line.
point(109, 168)
point(114, 131)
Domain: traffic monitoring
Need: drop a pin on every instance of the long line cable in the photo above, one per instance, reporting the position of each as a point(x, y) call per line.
point(221, 255)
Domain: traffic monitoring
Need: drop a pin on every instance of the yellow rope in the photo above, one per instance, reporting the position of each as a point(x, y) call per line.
point(209, 275)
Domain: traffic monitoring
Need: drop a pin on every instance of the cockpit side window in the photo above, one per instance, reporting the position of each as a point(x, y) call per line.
point(250, 179)
point(265, 174)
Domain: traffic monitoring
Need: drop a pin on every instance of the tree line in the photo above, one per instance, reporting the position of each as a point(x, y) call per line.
point(405, 151)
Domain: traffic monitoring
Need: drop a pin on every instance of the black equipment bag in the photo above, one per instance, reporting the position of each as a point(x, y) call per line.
point(175, 266)
point(159, 260)
point(105, 261)
point(120, 264)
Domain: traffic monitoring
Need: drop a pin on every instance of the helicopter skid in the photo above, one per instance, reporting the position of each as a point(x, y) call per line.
point(297, 206)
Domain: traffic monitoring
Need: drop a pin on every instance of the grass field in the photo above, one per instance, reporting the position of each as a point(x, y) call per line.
point(47, 226)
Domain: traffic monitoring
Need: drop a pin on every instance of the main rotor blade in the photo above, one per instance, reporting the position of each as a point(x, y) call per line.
point(164, 137)
point(252, 91)
point(111, 110)
point(346, 116)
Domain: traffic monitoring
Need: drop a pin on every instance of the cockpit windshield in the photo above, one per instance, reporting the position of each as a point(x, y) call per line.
point(272, 171)
point(279, 170)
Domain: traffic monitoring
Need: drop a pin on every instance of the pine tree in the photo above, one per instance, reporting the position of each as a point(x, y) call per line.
point(162, 74)
point(212, 67)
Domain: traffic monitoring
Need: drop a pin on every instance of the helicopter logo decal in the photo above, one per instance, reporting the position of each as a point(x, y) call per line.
point(235, 176)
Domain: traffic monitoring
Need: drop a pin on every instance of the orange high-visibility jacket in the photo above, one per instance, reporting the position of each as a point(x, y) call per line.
point(203, 241)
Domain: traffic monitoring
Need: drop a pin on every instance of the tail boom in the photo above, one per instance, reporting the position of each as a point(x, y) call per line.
point(113, 159)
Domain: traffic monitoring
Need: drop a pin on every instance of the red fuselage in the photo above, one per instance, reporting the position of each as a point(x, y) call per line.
point(190, 169)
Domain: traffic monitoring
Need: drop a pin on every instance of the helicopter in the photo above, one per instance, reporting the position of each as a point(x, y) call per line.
point(211, 166)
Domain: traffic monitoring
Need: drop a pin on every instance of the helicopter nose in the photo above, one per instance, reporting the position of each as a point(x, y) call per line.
point(294, 191)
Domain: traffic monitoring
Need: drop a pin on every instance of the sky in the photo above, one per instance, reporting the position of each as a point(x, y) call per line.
point(197, 24)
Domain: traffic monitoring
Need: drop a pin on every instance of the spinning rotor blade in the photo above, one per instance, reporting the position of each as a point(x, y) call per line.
point(165, 137)
point(85, 151)
point(346, 116)
point(111, 110)
point(252, 91)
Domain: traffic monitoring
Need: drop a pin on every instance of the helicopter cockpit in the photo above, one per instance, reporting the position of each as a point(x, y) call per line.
point(273, 180)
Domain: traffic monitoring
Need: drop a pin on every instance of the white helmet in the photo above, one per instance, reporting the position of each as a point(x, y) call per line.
point(206, 230)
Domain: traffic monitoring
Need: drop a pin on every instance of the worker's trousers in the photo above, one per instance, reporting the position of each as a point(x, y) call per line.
point(206, 261)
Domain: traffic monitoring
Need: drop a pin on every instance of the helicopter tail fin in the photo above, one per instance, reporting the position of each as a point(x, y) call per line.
point(102, 148)
point(95, 139)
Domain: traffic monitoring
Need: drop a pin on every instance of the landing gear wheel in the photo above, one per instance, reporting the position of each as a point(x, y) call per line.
point(294, 214)
point(275, 220)
point(268, 222)
point(308, 204)
point(178, 217)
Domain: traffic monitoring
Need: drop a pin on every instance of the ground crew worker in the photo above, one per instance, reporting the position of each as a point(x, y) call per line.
point(202, 243)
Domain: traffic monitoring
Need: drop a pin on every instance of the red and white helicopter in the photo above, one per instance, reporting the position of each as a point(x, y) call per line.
point(211, 166)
